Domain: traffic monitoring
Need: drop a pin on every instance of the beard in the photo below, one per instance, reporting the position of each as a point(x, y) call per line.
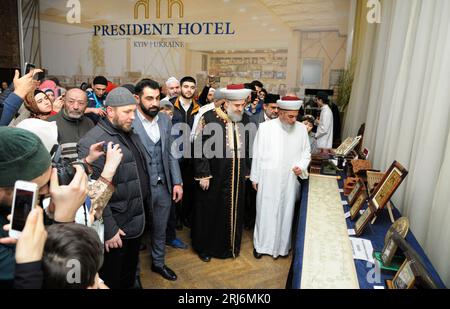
point(272, 116)
point(235, 117)
point(73, 114)
point(151, 112)
point(185, 96)
point(127, 128)
point(287, 127)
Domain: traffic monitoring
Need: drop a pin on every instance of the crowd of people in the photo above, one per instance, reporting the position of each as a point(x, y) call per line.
point(148, 160)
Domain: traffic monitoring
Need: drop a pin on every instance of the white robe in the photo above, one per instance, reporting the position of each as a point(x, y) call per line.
point(275, 153)
point(324, 133)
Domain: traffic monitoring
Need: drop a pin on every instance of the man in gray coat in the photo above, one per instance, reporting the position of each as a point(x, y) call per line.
point(154, 130)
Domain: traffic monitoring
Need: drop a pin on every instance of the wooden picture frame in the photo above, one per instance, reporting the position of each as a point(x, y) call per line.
point(362, 222)
point(358, 204)
point(405, 278)
point(388, 185)
point(359, 186)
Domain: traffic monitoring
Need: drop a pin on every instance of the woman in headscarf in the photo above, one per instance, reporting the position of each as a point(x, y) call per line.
point(39, 105)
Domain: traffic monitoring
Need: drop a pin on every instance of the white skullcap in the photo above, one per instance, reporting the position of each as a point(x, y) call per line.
point(290, 103)
point(172, 80)
point(46, 131)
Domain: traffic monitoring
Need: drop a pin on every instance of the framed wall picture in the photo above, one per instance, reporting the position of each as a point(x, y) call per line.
point(358, 205)
point(405, 278)
point(362, 222)
point(359, 186)
point(387, 186)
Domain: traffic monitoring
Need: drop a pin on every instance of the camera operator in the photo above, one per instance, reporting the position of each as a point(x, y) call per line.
point(101, 190)
point(24, 157)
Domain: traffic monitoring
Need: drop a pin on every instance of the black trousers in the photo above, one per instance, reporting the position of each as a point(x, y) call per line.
point(119, 265)
point(250, 205)
point(187, 204)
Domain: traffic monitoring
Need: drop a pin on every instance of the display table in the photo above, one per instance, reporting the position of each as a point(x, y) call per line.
point(366, 272)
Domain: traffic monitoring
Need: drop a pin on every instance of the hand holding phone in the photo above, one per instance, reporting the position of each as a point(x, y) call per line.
point(30, 247)
point(25, 84)
point(38, 75)
point(24, 201)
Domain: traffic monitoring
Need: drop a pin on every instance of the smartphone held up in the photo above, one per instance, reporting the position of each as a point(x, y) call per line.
point(24, 201)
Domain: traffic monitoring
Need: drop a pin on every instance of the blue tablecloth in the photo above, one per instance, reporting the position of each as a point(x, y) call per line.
point(375, 233)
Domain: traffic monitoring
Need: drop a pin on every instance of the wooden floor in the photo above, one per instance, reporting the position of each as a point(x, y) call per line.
point(245, 272)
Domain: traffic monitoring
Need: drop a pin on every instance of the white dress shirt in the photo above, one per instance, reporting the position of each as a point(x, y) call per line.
point(151, 127)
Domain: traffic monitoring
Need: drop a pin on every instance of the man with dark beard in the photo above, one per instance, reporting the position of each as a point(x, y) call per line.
point(154, 130)
point(219, 207)
point(185, 110)
point(123, 217)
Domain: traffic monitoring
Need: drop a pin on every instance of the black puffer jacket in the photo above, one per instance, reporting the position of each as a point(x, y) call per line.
point(125, 209)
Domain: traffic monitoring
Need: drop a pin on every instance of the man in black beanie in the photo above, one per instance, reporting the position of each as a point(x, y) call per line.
point(96, 99)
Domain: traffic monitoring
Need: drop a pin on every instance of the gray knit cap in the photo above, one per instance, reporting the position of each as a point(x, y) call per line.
point(120, 97)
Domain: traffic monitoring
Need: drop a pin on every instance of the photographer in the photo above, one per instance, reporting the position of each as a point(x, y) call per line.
point(24, 157)
point(100, 191)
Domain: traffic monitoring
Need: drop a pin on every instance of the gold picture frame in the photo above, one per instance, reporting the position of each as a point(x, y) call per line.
point(387, 186)
point(358, 204)
point(405, 278)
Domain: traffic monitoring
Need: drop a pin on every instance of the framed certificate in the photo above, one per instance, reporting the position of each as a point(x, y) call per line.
point(362, 222)
point(405, 278)
point(387, 186)
point(359, 203)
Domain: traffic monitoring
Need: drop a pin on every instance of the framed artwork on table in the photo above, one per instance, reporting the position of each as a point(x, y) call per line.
point(348, 145)
point(387, 186)
point(359, 186)
point(362, 222)
point(401, 226)
point(405, 278)
point(358, 205)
